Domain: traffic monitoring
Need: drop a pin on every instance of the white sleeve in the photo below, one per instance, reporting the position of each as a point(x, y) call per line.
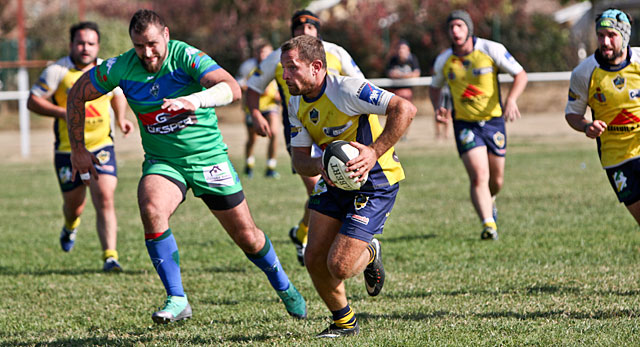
point(349, 66)
point(356, 96)
point(244, 70)
point(266, 72)
point(437, 80)
point(49, 80)
point(502, 58)
point(579, 87)
point(299, 135)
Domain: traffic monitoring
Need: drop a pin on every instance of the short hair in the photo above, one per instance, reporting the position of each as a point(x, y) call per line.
point(142, 19)
point(82, 26)
point(309, 48)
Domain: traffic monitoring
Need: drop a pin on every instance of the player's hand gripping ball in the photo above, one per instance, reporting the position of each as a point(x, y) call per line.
point(334, 159)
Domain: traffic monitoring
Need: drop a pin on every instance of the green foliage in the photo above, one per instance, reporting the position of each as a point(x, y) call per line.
point(564, 272)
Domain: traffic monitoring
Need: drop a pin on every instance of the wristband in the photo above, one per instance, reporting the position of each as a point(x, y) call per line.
point(85, 176)
point(586, 126)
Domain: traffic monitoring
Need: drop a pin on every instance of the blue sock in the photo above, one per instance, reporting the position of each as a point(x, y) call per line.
point(163, 251)
point(267, 261)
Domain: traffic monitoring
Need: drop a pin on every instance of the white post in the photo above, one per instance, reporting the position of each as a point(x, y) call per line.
point(23, 89)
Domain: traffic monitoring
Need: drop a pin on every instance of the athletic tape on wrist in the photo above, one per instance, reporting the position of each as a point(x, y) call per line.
point(218, 95)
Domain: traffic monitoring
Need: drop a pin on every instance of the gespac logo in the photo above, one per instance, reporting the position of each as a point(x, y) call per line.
point(167, 122)
point(369, 93)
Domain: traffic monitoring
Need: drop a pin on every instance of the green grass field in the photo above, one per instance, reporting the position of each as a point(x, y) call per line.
point(564, 272)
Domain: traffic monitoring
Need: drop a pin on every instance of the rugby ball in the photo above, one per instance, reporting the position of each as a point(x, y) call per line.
point(334, 159)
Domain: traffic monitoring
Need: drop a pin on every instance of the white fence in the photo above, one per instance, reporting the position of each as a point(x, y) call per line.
point(23, 94)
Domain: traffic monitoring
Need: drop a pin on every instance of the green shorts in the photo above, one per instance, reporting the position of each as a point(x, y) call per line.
point(217, 177)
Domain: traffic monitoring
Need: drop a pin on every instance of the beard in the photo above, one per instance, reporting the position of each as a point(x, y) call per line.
point(611, 58)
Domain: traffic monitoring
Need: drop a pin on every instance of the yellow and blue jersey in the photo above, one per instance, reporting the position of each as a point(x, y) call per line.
point(613, 94)
point(473, 79)
point(346, 110)
point(55, 82)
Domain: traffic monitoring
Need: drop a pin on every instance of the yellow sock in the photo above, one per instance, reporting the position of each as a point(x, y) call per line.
point(109, 253)
point(70, 225)
point(491, 225)
point(302, 232)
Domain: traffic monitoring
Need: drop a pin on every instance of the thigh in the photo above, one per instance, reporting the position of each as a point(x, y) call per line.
point(476, 162)
point(102, 189)
point(323, 230)
point(496, 165)
point(159, 194)
point(634, 209)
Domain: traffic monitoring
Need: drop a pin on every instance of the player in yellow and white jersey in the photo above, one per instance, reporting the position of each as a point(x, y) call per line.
point(342, 224)
point(269, 106)
point(609, 83)
point(48, 97)
point(470, 68)
point(339, 62)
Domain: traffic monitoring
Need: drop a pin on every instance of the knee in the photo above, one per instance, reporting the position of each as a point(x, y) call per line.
point(338, 269)
point(479, 179)
point(249, 240)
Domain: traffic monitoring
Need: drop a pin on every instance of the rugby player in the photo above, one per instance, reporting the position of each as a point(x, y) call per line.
point(342, 224)
point(470, 68)
point(173, 88)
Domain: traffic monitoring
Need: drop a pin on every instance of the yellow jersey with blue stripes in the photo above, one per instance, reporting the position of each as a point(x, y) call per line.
point(346, 109)
point(473, 79)
point(55, 82)
point(339, 62)
point(613, 94)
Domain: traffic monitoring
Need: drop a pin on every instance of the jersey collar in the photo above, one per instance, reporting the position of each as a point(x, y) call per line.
point(324, 86)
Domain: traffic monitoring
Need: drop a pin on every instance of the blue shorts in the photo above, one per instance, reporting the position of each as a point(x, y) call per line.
point(625, 181)
point(362, 214)
point(490, 134)
point(62, 161)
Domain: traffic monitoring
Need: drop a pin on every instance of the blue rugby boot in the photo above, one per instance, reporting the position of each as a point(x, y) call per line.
point(67, 239)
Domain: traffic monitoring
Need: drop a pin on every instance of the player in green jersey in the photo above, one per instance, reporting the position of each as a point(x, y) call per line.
point(173, 88)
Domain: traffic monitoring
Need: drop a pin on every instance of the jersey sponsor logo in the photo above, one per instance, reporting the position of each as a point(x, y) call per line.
point(634, 93)
point(167, 122)
point(110, 63)
point(573, 96)
point(336, 131)
point(360, 201)
point(471, 92)
point(499, 139)
point(451, 76)
point(482, 71)
point(599, 95)
point(314, 116)
point(358, 218)
point(100, 75)
point(91, 112)
point(369, 93)
point(620, 180)
point(42, 84)
point(219, 175)
point(509, 57)
point(619, 82)
point(624, 117)
point(155, 89)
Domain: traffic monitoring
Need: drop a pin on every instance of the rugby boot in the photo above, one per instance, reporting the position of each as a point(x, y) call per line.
point(175, 308)
point(374, 272)
point(67, 239)
point(111, 265)
point(489, 233)
point(333, 331)
point(300, 247)
point(294, 302)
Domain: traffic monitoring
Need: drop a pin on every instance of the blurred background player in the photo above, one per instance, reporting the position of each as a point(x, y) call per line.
point(48, 97)
point(343, 223)
point(403, 64)
point(268, 106)
point(173, 88)
point(339, 62)
point(470, 68)
point(607, 82)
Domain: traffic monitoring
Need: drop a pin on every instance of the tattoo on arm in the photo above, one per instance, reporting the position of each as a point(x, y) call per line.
point(81, 92)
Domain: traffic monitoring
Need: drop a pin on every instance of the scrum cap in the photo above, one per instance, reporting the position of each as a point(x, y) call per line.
point(617, 20)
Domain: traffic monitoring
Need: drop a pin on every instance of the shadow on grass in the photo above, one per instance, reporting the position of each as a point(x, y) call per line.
point(418, 316)
point(65, 272)
point(543, 289)
point(405, 238)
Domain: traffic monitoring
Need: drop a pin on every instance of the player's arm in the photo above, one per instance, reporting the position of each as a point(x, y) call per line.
point(511, 111)
point(260, 123)
point(222, 89)
point(44, 107)
point(119, 105)
point(400, 113)
point(81, 159)
point(304, 163)
point(439, 111)
point(579, 123)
